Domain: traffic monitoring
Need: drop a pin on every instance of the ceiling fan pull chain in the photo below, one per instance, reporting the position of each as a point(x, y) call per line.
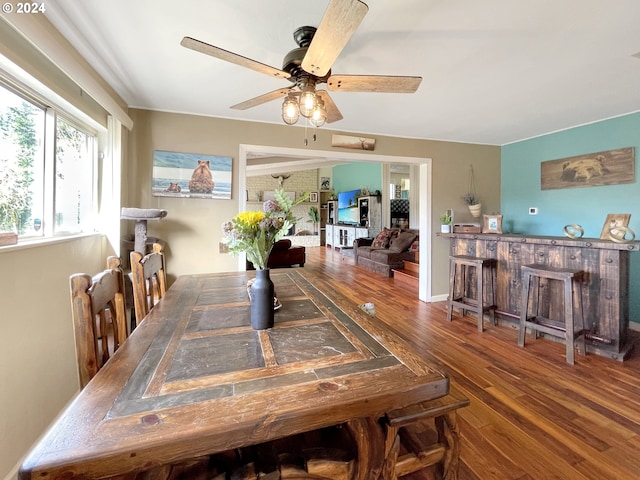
point(315, 129)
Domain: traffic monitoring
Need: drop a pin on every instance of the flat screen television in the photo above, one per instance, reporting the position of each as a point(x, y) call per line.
point(348, 207)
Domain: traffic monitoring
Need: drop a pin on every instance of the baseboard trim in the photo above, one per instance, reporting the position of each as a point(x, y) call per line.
point(634, 326)
point(439, 298)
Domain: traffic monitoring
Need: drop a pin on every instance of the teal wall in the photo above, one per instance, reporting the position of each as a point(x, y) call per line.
point(586, 206)
point(357, 175)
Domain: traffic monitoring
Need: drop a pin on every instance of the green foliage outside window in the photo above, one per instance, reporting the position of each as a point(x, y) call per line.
point(18, 144)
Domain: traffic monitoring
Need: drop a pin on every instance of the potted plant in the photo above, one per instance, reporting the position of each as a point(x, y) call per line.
point(471, 198)
point(445, 222)
point(314, 216)
point(474, 204)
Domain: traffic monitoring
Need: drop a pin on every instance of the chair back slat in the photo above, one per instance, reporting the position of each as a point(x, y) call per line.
point(99, 318)
point(149, 281)
point(102, 289)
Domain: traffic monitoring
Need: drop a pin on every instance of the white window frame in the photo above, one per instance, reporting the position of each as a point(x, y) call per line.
point(49, 158)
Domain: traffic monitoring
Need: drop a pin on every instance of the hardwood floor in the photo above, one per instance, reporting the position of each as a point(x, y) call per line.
point(532, 416)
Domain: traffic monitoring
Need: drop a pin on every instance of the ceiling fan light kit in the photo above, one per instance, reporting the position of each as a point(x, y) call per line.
point(310, 65)
point(319, 116)
point(290, 109)
point(308, 98)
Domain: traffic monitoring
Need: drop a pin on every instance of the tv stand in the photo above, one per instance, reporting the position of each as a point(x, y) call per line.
point(343, 235)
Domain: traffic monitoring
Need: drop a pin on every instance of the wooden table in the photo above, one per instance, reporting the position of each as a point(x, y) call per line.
point(194, 379)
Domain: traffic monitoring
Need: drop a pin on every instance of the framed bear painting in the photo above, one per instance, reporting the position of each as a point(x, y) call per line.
point(191, 175)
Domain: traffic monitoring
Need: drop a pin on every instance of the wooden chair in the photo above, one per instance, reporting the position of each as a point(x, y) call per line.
point(148, 279)
point(98, 308)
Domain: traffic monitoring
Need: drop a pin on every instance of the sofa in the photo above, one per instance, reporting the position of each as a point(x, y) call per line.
point(283, 254)
point(387, 251)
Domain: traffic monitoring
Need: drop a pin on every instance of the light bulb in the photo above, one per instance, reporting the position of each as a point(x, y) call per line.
point(319, 115)
point(290, 110)
point(308, 101)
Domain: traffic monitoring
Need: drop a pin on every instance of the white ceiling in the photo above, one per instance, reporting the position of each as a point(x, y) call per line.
point(494, 71)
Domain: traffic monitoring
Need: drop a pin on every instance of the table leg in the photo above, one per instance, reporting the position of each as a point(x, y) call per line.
point(377, 448)
point(392, 449)
point(449, 435)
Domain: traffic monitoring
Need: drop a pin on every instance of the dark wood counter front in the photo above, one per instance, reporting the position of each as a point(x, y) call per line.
point(605, 291)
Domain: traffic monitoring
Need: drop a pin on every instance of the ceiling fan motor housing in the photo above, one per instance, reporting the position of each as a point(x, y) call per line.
point(293, 60)
point(304, 35)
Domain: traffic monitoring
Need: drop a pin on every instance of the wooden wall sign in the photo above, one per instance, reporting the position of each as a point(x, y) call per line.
point(357, 143)
point(611, 167)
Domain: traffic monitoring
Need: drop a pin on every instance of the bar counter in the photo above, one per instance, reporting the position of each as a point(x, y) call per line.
point(605, 290)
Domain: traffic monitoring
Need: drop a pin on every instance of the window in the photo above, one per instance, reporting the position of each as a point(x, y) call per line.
point(47, 165)
point(21, 163)
point(73, 178)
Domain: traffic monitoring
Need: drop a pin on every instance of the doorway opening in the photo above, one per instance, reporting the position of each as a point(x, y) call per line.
point(420, 180)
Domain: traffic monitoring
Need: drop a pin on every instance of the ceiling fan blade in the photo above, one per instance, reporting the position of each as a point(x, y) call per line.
point(373, 83)
point(340, 21)
point(222, 54)
point(333, 114)
point(259, 100)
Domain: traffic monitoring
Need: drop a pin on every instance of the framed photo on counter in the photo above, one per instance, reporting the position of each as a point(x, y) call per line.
point(614, 223)
point(492, 224)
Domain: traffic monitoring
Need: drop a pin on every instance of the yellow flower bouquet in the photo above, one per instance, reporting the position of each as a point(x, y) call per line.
point(255, 232)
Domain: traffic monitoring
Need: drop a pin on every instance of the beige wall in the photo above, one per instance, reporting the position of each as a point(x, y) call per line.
point(38, 373)
point(192, 228)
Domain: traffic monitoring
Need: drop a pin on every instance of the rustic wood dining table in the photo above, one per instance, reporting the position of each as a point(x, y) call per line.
point(194, 379)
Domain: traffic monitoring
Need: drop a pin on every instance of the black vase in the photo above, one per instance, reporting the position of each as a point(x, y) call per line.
point(262, 301)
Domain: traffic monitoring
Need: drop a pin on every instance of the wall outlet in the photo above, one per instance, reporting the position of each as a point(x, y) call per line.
point(533, 210)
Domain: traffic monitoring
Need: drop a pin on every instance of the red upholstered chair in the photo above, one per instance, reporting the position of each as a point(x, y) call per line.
point(283, 255)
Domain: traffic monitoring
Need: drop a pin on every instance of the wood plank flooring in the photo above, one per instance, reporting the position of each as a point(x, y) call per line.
point(532, 416)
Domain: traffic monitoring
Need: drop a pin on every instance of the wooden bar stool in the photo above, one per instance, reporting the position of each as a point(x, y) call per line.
point(483, 267)
point(572, 287)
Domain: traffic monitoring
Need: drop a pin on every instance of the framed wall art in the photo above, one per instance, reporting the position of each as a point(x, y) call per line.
point(191, 175)
point(613, 221)
point(492, 224)
point(611, 167)
point(357, 143)
point(313, 197)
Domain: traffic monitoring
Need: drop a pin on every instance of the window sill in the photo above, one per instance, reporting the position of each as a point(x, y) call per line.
point(43, 242)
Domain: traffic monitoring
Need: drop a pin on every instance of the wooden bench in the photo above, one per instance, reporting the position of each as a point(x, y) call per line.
point(415, 437)
point(410, 431)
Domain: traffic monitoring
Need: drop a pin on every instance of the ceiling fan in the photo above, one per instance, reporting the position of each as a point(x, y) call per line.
point(310, 65)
